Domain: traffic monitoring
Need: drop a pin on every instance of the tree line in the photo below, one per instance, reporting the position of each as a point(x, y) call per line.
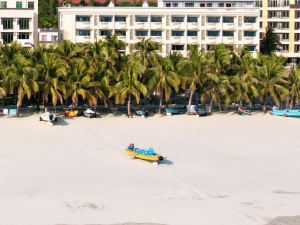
point(101, 72)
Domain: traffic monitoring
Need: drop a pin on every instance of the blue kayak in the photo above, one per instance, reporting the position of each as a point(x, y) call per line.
point(286, 112)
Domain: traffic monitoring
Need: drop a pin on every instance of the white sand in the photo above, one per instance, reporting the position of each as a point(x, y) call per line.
point(221, 170)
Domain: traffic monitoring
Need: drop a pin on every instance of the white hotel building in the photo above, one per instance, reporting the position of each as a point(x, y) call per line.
point(19, 22)
point(174, 24)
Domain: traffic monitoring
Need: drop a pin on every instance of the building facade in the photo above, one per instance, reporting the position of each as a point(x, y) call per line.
point(284, 17)
point(48, 37)
point(173, 24)
point(19, 22)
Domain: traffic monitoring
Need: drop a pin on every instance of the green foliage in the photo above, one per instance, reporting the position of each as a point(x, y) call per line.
point(269, 42)
point(102, 72)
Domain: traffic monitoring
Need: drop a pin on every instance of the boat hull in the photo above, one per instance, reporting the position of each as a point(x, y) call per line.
point(133, 154)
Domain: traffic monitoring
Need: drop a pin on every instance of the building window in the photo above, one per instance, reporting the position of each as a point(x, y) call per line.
point(106, 19)
point(120, 33)
point(85, 33)
point(213, 19)
point(83, 18)
point(192, 19)
point(189, 4)
point(175, 4)
point(177, 33)
point(228, 33)
point(177, 19)
point(209, 5)
point(251, 48)
point(202, 5)
point(227, 19)
point(249, 19)
point(19, 5)
point(54, 38)
point(212, 33)
point(192, 33)
point(105, 33)
point(141, 33)
point(177, 47)
point(7, 37)
point(228, 5)
point(285, 48)
point(3, 4)
point(23, 36)
point(249, 33)
point(221, 5)
point(30, 5)
point(156, 19)
point(141, 19)
point(168, 4)
point(285, 14)
point(44, 38)
point(7, 23)
point(120, 18)
point(23, 23)
point(156, 33)
point(285, 37)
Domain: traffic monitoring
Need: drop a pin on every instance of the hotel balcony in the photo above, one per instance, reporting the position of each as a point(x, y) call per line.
point(156, 25)
point(249, 40)
point(177, 39)
point(228, 40)
point(250, 26)
point(213, 40)
point(178, 25)
point(192, 26)
point(213, 26)
point(193, 40)
point(83, 25)
point(120, 25)
point(157, 38)
point(141, 25)
point(228, 26)
point(106, 25)
point(83, 39)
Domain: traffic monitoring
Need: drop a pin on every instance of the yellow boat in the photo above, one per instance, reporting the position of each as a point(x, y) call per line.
point(144, 154)
point(71, 113)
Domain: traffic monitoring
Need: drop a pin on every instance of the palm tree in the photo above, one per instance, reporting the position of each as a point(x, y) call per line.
point(101, 77)
point(162, 79)
point(216, 88)
point(51, 81)
point(22, 78)
point(270, 73)
point(129, 84)
point(146, 51)
point(243, 81)
point(9, 52)
point(68, 52)
point(293, 86)
point(269, 42)
point(194, 70)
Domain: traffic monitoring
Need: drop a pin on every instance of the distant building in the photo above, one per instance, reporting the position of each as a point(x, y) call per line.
point(174, 24)
point(284, 17)
point(48, 37)
point(19, 22)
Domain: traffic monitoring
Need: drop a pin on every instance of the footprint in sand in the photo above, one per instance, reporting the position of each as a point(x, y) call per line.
point(83, 207)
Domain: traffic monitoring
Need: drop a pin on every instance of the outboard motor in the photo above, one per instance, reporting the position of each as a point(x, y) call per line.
point(160, 158)
point(131, 146)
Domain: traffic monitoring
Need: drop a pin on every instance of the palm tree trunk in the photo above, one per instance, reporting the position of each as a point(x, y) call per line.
point(160, 102)
point(128, 106)
point(190, 102)
point(18, 111)
point(291, 102)
point(265, 104)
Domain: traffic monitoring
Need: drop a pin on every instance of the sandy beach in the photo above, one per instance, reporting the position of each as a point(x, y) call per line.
point(220, 170)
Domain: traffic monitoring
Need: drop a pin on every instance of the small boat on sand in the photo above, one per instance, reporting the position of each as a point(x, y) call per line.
point(144, 154)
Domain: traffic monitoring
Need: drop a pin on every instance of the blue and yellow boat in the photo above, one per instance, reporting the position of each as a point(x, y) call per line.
point(144, 154)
